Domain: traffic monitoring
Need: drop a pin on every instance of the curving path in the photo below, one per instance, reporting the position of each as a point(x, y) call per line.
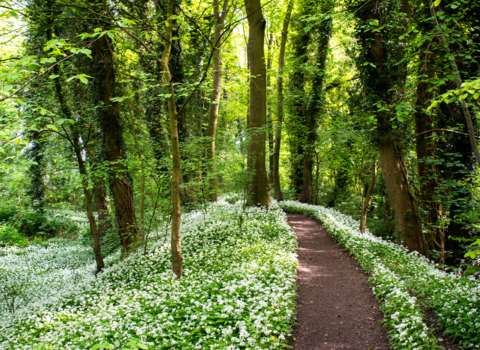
point(336, 309)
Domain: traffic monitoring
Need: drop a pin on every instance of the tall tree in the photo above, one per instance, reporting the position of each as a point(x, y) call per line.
point(381, 79)
point(278, 129)
point(109, 119)
point(219, 22)
point(257, 119)
point(176, 245)
point(324, 30)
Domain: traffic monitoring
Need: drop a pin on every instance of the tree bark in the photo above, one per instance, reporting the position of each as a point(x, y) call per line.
point(215, 98)
point(278, 129)
point(269, 110)
point(177, 259)
point(258, 105)
point(109, 118)
point(368, 198)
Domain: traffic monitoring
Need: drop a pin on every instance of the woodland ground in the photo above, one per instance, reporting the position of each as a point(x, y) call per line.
point(239, 290)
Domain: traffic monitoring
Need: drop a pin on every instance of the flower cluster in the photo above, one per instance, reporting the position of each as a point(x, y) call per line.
point(237, 292)
point(396, 274)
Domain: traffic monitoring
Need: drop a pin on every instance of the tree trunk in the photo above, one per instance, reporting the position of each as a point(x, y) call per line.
point(380, 81)
point(278, 129)
point(215, 99)
point(142, 165)
point(74, 139)
point(176, 246)
point(368, 198)
point(258, 105)
point(109, 118)
point(313, 108)
point(269, 110)
point(425, 147)
point(99, 194)
point(88, 202)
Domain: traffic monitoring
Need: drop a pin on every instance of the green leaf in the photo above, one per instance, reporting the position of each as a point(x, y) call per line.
point(471, 255)
point(83, 80)
point(34, 66)
point(142, 346)
point(48, 60)
point(436, 3)
point(14, 14)
point(53, 76)
point(110, 35)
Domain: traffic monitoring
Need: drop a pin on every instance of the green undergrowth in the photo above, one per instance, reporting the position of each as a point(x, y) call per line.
point(237, 292)
point(399, 277)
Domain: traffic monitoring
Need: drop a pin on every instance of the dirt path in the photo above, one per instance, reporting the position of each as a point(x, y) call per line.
point(336, 308)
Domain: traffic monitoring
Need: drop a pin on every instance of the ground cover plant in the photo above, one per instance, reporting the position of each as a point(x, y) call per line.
point(402, 280)
point(237, 292)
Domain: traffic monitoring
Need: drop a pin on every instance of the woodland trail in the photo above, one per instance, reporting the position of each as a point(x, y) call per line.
point(336, 309)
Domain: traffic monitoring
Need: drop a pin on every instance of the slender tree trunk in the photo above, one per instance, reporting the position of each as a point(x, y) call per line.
point(368, 198)
point(88, 202)
point(109, 118)
point(216, 93)
point(176, 246)
point(269, 110)
point(258, 105)
point(278, 129)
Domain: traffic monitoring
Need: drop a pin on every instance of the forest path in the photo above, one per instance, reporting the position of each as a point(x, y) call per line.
point(336, 309)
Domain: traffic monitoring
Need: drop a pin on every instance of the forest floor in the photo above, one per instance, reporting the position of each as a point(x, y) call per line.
point(336, 308)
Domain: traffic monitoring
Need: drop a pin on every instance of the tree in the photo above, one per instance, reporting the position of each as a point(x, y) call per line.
point(219, 22)
point(278, 129)
point(109, 119)
point(257, 119)
point(381, 78)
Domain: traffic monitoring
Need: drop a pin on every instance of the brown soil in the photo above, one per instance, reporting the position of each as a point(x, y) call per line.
point(336, 309)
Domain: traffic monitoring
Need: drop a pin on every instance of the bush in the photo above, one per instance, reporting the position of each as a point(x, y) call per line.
point(31, 224)
point(9, 236)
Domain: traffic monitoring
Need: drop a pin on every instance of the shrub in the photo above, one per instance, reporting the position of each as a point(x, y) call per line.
point(9, 236)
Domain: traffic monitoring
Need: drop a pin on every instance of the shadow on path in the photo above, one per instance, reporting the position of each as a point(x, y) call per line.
point(336, 309)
